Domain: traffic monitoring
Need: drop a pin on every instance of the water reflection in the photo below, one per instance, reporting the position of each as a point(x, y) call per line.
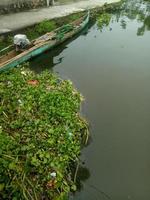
point(83, 175)
point(139, 10)
point(131, 10)
point(144, 27)
point(49, 59)
point(46, 60)
point(93, 192)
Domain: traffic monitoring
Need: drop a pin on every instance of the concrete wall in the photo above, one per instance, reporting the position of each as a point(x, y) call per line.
point(7, 6)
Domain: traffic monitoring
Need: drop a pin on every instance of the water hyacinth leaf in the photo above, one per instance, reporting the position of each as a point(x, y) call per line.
point(103, 20)
point(2, 185)
point(34, 136)
point(73, 188)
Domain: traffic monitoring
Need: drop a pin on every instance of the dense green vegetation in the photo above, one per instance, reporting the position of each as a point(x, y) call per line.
point(103, 20)
point(40, 29)
point(40, 135)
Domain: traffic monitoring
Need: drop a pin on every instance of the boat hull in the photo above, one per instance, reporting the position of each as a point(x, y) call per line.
point(47, 46)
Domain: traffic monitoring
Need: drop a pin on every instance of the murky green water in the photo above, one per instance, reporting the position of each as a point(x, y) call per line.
point(111, 68)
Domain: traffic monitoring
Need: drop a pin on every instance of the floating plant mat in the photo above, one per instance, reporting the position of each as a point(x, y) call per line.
point(40, 135)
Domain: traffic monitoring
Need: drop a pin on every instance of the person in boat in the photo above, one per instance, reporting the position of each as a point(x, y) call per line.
point(21, 42)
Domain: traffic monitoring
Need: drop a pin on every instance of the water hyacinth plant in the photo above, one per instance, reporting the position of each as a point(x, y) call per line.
point(103, 20)
point(40, 135)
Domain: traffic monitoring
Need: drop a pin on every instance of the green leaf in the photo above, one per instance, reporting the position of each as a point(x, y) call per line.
point(12, 166)
point(74, 188)
point(2, 185)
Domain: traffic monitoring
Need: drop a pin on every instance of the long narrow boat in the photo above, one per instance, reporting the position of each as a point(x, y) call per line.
point(41, 44)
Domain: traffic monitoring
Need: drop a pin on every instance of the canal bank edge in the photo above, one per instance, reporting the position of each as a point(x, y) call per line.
point(45, 26)
point(16, 21)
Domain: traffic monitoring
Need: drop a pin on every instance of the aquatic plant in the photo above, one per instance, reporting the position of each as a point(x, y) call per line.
point(40, 135)
point(103, 20)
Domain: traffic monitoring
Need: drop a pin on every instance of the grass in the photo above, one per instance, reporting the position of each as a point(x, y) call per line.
point(5, 41)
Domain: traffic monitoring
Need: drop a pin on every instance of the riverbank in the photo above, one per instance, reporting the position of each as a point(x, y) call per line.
point(45, 26)
point(15, 21)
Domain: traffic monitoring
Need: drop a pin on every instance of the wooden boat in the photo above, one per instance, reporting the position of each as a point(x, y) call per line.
point(41, 44)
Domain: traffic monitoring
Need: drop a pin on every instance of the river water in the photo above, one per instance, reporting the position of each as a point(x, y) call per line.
point(110, 66)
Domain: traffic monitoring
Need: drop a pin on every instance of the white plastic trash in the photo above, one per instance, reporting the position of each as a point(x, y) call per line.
point(21, 40)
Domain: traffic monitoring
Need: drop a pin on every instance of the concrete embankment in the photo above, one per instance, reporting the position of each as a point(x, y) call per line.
point(14, 21)
point(8, 6)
